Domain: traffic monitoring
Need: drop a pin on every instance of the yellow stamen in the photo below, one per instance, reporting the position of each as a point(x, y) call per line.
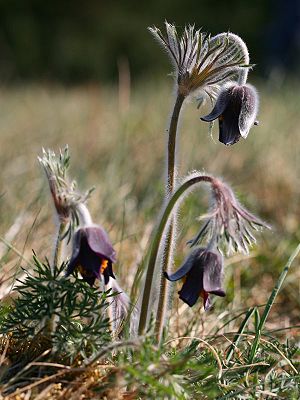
point(104, 265)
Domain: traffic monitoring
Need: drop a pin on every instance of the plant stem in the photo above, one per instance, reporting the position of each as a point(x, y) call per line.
point(57, 258)
point(171, 166)
point(167, 254)
point(157, 237)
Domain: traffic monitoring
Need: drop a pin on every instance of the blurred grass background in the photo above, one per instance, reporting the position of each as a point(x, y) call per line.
point(121, 152)
point(92, 77)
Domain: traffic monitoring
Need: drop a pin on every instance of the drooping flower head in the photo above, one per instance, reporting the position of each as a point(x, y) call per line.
point(236, 109)
point(203, 62)
point(92, 254)
point(202, 272)
point(66, 197)
point(228, 221)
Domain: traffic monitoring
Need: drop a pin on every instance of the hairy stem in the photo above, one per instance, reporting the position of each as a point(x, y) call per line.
point(57, 258)
point(164, 285)
point(167, 255)
point(157, 237)
point(171, 166)
point(50, 325)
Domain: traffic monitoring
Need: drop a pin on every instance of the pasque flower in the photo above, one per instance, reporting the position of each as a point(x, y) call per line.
point(236, 109)
point(202, 272)
point(92, 254)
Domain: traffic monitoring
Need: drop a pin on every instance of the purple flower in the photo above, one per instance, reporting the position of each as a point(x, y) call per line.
point(236, 108)
point(202, 272)
point(93, 254)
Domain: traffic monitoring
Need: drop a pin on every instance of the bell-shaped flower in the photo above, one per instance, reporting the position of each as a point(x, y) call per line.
point(92, 254)
point(236, 108)
point(202, 272)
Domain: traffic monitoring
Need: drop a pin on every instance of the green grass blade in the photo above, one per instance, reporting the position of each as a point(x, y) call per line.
point(271, 302)
point(238, 336)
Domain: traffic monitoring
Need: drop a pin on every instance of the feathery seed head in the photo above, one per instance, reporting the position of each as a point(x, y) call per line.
point(68, 201)
point(203, 62)
point(228, 222)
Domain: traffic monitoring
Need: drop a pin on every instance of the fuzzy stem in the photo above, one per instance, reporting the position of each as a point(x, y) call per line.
point(171, 167)
point(164, 285)
point(157, 237)
point(84, 215)
point(167, 255)
point(57, 258)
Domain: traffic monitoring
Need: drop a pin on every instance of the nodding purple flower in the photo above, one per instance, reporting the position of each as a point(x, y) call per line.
point(92, 255)
point(228, 221)
point(203, 273)
point(236, 108)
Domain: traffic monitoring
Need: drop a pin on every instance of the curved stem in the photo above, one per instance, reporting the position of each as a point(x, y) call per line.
point(157, 237)
point(167, 254)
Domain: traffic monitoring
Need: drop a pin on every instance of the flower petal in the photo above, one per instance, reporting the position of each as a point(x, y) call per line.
point(249, 110)
point(213, 273)
point(193, 286)
point(219, 107)
point(108, 272)
point(229, 133)
point(99, 242)
point(186, 266)
point(75, 252)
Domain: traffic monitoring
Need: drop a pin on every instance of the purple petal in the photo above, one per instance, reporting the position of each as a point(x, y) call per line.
point(213, 273)
point(229, 132)
point(75, 252)
point(99, 242)
point(249, 110)
point(108, 272)
point(219, 107)
point(186, 266)
point(193, 286)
